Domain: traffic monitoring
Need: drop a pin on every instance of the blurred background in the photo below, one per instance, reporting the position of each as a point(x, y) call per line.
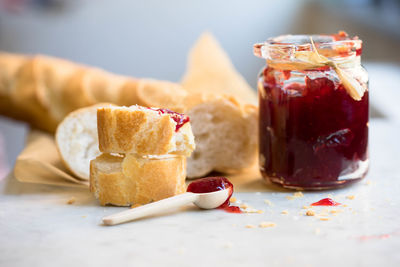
point(152, 38)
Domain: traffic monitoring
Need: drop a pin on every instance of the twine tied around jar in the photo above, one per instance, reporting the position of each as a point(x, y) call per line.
point(312, 59)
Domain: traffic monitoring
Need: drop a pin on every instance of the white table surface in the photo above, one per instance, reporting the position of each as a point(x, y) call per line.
point(38, 228)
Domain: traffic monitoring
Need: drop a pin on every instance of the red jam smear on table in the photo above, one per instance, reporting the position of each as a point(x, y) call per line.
point(179, 118)
point(232, 209)
point(212, 184)
point(311, 132)
point(326, 202)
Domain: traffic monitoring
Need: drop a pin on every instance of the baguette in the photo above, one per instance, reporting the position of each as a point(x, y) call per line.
point(36, 81)
point(128, 180)
point(144, 131)
point(42, 90)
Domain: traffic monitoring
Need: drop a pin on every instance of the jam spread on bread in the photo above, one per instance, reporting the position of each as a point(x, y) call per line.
point(212, 184)
point(179, 118)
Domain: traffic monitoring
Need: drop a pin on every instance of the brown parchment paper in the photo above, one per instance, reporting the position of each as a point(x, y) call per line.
point(40, 163)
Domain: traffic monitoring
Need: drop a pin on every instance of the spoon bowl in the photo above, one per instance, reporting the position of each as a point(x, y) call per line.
point(212, 200)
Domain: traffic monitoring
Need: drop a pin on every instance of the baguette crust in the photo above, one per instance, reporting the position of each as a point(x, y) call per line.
point(130, 179)
point(152, 93)
point(141, 131)
point(9, 66)
point(42, 90)
point(37, 89)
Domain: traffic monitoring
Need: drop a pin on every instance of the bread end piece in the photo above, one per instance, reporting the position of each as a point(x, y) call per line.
point(226, 134)
point(131, 179)
point(77, 141)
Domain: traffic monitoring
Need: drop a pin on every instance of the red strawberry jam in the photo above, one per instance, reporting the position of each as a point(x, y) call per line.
point(179, 118)
point(311, 134)
point(212, 184)
point(326, 202)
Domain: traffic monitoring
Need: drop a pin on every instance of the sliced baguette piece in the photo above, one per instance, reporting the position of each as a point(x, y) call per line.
point(226, 134)
point(127, 180)
point(77, 140)
point(144, 131)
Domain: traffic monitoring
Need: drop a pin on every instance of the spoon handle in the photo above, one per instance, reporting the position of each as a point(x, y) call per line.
point(149, 209)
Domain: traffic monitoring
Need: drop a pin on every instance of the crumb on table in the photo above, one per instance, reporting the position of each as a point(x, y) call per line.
point(268, 202)
point(298, 194)
point(267, 224)
point(71, 201)
point(244, 206)
point(335, 211)
point(295, 195)
point(324, 219)
point(310, 213)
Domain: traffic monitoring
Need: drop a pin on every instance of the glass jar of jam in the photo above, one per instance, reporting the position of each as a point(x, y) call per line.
point(313, 104)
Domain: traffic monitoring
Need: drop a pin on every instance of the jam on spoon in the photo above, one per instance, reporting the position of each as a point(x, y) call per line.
point(326, 202)
point(212, 184)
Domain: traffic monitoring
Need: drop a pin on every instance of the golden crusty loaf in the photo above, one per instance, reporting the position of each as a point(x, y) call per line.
point(77, 140)
point(42, 90)
point(226, 134)
point(127, 180)
point(143, 131)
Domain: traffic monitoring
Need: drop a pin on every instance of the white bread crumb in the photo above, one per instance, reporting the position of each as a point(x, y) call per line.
point(310, 213)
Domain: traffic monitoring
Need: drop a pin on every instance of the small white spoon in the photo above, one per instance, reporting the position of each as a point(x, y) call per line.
point(202, 200)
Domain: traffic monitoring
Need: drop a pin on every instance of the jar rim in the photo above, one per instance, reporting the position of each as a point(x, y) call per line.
point(331, 46)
